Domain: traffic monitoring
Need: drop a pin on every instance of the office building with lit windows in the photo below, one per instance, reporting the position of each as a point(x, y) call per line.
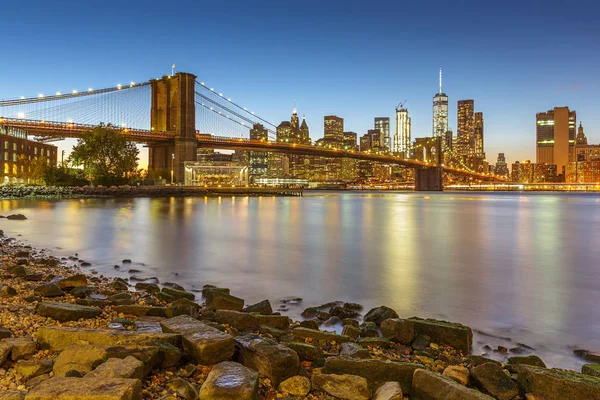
point(19, 152)
point(402, 138)
point(333, 131)
point(383, 124)
point(555, 137)
point(258, 160)
point(465, 130)
point(440, 112)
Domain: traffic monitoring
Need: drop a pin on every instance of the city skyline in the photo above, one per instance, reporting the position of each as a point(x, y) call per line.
point(503, 67)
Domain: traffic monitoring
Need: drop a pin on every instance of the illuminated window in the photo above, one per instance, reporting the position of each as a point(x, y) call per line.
point(35, 150)
point(15, 169)
point(6, 156)
point(14, 146)
point(6, 144)
point(14, 157)
point(6, 168)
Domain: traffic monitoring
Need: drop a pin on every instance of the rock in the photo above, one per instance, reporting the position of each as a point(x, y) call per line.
point(314, 334)
point(421, 342)
point(591, 369)
point(31, 369)
point(454, 335)
point(126, 261)
point(147, 287)
point(16, 217)
point(305, 351)
point(150, 356)
point(174, 285)
point(262, 307)
point(457, 373)
point(310, 324)
point(230, 381)
point(82, 292)
point(354, 350)
point(555, 384)
point(142, 311)
point(49, 290)
point(388, 391)
point(66, 311)
point(182, 306)
point(34, 277)
point(7, 291)
point(183, 389)
point(427, 385)
point(4, 332)
point(274, 321)
point(178, 294)
point(12, 395)
point(119, 296)
point(208, 290)
point(80, 359)
point(474, 361)
point(343, 312)
point(368, 329)
point(376, 372)
point(349, 387)
point(21, 347)
point(351, 331)
point(5, 349)
point(588, 355)
point(380, 314)
point(492, 380)
point(128, 367)
point(239, 320)
point(374, 342)
point(23, 253)
point(310, 312)
point(400, 330)
point(269, 358)
point(87, 389)
point(204, 343)
point(295, 386)
point(19, 271)
point(223, 301)
point(59, 338)
point(72, 281)
point(527, 360)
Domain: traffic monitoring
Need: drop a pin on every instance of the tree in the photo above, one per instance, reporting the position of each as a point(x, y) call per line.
point(107, 157)
point(34, 170)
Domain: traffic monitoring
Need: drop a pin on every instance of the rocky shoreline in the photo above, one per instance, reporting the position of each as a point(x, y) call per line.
point(67, 334)
point(67, 192)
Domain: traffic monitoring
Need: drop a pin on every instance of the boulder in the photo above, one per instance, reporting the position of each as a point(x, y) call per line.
point(306, 352)
point(17, 217)
point(368, 329)
point(479, 360)
point(374, 342)
point(48, 290)
point(72, 281)
point(12, 395)
point(239, 320)
point(555, 384)
point(207, 345)
point(295, 386)
point(5, 349)
point(527, 360)
point(30, 369)
point(4, 332)
point(427, 385)
point(400, 330)
point(451, 334)
point(354, 350)
point(591, 369)
point(183, 389)
point(7, 291)
point(457, 373)
point(208, 290)
point(66, 311)
point(230, 381)
point(303, 333)
point(492, 380)
point(349, 387)
point(262, 307)
point(182, 306)
point(59, 338)
point(21, 347)
point(351, 331)
point(128, 367)
point(142, 311)
point(87, 389)
point(150, 356)
point(310, 324)
point(274, 321)
point(376, 372)
point(380, 314)
point(81, 292)
point(388, 391)
point(147, 287)
point(78, 360)
point(269, 358)
point(178, 294)
point(224, 301)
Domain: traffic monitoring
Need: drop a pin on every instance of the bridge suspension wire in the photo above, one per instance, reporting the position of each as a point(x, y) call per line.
point(229, 101)
point(41, 98)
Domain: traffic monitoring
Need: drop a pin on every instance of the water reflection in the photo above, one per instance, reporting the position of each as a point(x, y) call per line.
point(517, 266)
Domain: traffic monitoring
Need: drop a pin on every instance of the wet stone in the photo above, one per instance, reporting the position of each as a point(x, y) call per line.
point(306, 352)
point(380, 314)
point(230, 381)
point(354, 350)
point(388, 391)
point(430, 385)
point(72, 281)
point(451, 334)
point(400, 330)
point(87, 389)
point(48, 290)
point(555, 384)
point(223, 301)
point(492, 380)
point(66, 311)
point(295, 386)
point(527, 360)
point(31, 369)
point(262, 307)
point(314, 334)
point(348, 387)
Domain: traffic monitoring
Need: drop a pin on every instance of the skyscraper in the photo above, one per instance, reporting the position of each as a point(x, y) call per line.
point(478, 131)
point(440, 112)
point(555, 137)
point(402, 138)
point(305, 139)
point(501, 165)
point(383, 124)
point(465, 131)
point(333, 131)
point(258, 160)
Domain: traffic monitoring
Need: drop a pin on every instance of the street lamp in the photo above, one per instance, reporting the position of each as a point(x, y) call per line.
point(172, 164)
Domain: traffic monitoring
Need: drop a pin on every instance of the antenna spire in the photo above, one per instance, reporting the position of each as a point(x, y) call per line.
point(440, 81)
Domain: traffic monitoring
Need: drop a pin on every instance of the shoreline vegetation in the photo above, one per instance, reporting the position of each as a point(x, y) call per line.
point(66, 333)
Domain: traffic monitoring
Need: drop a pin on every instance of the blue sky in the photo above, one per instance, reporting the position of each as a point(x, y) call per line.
point(355, 59)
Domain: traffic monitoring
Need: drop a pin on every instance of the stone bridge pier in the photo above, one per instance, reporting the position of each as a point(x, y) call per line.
point(428, 179)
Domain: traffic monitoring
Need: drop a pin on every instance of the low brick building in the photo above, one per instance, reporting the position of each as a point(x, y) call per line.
point(17, 153)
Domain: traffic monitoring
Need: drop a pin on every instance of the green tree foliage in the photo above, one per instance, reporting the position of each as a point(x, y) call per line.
point(34, 170)
point(106, 156)
point(63, 176)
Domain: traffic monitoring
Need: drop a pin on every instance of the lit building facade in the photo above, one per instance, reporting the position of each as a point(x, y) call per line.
point(333, 131)
point(465, 129)
point(402, 140)
point(258, 160)
point(478, 135)
point(528, 172)
point(501, 167)
point(18, 152)
point(440, 112)
point(383, 124)
point(583, 172)
point(555, 137)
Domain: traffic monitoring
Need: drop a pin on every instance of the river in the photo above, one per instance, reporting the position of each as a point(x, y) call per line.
point(523, 267)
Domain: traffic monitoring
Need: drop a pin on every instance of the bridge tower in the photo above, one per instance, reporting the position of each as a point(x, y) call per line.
point(174, 110)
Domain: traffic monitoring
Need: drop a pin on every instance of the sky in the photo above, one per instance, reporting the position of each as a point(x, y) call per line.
point(355, 59)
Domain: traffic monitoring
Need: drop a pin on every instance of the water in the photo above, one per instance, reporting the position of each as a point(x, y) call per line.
point(524, 267)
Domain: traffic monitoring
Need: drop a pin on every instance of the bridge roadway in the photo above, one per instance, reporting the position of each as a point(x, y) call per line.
point(62, 130)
